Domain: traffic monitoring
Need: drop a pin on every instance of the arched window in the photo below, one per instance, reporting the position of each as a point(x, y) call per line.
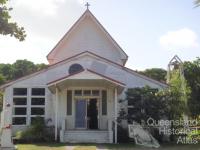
point(74, 68)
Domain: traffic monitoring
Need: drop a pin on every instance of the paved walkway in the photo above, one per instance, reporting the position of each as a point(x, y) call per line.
point(98, 148)
point(70, 147)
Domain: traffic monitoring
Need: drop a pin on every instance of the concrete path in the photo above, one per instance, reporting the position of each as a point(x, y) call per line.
point(98, 148)
point(70, 147)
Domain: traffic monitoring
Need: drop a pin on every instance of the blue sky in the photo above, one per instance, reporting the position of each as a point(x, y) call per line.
point(150, 32)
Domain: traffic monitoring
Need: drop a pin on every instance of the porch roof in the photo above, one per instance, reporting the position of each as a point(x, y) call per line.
point(85, 77)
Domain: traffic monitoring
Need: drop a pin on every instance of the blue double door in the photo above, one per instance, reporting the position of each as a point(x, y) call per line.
point(81, 113)
point(86, 115)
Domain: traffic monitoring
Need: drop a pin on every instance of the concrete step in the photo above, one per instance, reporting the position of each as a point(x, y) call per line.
point(86, 136)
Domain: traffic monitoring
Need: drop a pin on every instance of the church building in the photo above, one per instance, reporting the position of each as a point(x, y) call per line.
point(79, 92)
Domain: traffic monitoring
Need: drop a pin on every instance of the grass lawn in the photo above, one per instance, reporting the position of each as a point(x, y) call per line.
point(58, 146)
point(45, 146)
point(85, 148)
point(163, 147)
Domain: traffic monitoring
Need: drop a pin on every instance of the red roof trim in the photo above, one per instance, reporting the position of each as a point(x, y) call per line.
point(65, 77)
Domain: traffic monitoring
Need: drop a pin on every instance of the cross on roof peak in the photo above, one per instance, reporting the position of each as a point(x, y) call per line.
point(87, 5)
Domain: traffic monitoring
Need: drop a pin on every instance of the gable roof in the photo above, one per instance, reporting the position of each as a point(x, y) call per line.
point(86, 70)
point(86, 14)
point(78, 55)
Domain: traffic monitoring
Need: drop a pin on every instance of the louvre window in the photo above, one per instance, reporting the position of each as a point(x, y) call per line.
point(37, 111)
point(87, 92)
point(20, 111)
point(37, 101)
point(19, 101)
point(95, 92)
point(38, 91)
point(78, 92)
point(20, 91)
point(19, 121)
point(20, 106)
point(34, 119)
point(24, 102)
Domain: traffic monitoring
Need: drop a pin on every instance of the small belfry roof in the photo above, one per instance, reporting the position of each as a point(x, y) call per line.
point(86, 14)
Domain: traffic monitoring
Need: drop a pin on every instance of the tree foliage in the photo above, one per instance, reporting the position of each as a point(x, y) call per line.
point(144, 103)
point(7, 27)
point(18, 69)
point(197, 3)
point(2, 79)
point(180, 90)
point(192, 75)
point(147, 102)
point(22, 68)
point(155, 73)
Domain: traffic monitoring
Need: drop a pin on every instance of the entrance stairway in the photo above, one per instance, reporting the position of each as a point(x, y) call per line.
point(86, 136)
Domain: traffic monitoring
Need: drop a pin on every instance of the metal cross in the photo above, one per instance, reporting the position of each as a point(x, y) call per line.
point(87, 5)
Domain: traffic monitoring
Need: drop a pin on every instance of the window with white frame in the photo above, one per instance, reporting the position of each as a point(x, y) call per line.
point(87, 93)
point(20, 98)
point(27, 105)
point(37, 103)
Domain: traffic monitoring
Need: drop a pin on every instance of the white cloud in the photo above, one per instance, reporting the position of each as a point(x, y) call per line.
point(81, 1)
point(179, 39)
point(34, 48)
point(46, 7)
point(45, 22)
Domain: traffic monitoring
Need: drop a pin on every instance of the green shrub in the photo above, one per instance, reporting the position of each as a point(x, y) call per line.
point(195, 134)
point(37, 132)
point(122, 135)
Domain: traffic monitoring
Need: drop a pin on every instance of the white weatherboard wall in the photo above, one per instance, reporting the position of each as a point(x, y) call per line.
point(87, 37)
point(108, 69)
point(58, 71)
point(6, 141)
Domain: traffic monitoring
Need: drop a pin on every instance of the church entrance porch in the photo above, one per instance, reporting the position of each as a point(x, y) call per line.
point(85, 107)
point(89, 111)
